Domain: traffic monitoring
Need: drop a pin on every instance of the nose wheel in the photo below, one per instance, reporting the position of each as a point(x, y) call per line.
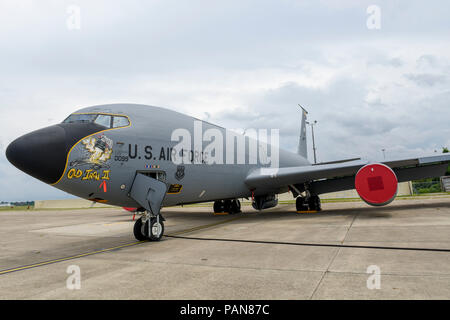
point(151, 229)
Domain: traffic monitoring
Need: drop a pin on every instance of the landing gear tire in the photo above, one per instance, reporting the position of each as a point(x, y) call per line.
point(156, 229)
point(137, 230)
point(314, 203)
point(219, 206)
point(227, 206)
point(301, 204)
point(235, 206)
point(141, 231)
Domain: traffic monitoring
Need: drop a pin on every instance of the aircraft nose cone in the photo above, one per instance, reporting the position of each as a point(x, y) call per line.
point(41, 154)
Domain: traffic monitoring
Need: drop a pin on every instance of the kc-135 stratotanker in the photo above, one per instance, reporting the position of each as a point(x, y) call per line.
point(147, 157)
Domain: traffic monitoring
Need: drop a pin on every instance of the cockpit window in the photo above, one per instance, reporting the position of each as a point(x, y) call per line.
point(120, 122)
point(105, 120)
point(80, 118)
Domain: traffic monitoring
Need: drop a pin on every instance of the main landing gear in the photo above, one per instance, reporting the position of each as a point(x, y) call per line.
point(149, 227)
point(311, 203)
point(227, 206)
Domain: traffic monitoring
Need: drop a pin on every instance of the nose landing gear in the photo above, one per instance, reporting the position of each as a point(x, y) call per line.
point(149, 227)
point(149, 193)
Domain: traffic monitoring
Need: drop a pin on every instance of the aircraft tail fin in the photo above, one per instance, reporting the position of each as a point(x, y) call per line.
point(302, 149)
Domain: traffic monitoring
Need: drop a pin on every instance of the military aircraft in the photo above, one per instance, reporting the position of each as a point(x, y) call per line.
point(144, 157)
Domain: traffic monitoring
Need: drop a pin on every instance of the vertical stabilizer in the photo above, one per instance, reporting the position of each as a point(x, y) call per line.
point(302, 144)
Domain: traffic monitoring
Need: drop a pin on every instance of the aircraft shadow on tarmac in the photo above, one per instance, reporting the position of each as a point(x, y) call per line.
point(287, 211)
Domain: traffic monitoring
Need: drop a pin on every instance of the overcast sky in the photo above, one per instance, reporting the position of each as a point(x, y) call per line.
point(239, 64)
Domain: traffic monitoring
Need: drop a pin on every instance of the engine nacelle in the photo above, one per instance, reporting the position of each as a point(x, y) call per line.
point(376, 184)
point(264, 202)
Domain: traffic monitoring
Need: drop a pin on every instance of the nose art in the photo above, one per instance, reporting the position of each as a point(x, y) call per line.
point(41, 154)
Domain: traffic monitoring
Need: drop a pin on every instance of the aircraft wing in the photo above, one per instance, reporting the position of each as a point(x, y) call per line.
point(324, 178)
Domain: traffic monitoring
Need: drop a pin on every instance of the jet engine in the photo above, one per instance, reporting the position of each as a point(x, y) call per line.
point(376, 184)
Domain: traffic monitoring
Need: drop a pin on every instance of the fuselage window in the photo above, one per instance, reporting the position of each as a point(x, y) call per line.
point(120, 122)
point(103, 120)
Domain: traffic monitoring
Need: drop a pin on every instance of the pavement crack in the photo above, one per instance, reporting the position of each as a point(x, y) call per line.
point(333, 258)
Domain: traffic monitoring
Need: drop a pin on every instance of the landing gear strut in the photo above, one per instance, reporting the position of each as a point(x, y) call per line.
point(229, 206)
point(311, 203)
point(149, 227)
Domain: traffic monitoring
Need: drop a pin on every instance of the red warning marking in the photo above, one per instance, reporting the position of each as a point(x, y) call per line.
point(376, 184)
point(103, 184)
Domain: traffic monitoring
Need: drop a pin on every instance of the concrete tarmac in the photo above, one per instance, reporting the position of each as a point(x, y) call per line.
point(38, 246)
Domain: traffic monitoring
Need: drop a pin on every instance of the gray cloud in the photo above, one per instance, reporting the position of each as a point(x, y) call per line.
point(385, 61)
point(426, 79)
point(347, 125)
point(427, 61)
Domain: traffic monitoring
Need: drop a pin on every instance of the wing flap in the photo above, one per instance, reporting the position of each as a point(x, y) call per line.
point(417, 161)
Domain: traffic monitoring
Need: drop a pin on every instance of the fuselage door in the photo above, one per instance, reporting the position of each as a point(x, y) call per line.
point(148, 192)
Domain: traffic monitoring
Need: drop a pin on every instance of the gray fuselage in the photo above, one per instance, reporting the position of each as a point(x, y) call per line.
point(102, 166)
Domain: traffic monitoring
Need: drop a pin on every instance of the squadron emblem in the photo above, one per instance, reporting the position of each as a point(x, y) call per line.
point(180, 173)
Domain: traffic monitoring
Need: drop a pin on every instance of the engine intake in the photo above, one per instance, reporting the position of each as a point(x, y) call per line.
point(376, 184)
